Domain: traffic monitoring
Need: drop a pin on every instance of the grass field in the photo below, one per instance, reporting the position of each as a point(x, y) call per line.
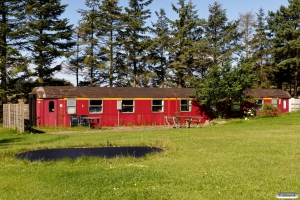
point(253, 159)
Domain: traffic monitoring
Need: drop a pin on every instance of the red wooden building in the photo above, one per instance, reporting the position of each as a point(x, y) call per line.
point(259, 97)
point(277, 97)
point(54, 106)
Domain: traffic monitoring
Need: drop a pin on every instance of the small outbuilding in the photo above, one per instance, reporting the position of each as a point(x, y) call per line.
point(277, 97)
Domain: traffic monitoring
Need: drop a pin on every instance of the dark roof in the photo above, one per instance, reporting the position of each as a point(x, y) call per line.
point(110, 92)
point(268, 93)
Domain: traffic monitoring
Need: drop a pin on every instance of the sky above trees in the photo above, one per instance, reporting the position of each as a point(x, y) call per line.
point(233, 9)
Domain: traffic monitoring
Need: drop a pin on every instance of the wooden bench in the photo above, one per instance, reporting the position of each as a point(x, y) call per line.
point(191, 119)
point(196, 121)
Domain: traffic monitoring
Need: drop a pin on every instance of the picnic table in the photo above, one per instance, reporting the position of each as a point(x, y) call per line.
point(188, 120)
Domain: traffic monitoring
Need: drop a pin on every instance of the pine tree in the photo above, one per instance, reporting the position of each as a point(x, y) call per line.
point(110, 25)
point(74, 63)
point(185, 31)
point(284, 25)
point(261, 46)
point(134, 43)
point(12, 17)
point(48, 36)
point(158, 51)
point(90, 25)
point(222, 36)
point(246, 26)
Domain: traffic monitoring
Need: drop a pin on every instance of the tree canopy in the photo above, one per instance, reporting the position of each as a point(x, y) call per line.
point(114, 46)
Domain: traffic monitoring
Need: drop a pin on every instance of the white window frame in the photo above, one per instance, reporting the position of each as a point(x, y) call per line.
point(159, 108)
point(71, 106)
point(126, 106)
point(95, 106)
point(188, 105)
point(258, 106)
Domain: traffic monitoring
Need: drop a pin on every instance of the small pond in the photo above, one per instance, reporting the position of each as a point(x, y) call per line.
point(73, 153)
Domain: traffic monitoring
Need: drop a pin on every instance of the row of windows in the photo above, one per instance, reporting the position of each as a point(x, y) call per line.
point(126, 106)
point(258, 104)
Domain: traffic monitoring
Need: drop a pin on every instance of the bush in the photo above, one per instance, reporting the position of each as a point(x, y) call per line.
point(269, 110)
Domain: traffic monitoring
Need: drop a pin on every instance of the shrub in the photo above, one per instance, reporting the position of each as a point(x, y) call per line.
point(269, 110)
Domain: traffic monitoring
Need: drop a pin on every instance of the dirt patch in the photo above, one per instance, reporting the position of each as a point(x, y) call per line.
point(111, 129)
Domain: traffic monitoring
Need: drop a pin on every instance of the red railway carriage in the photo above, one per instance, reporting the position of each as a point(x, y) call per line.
point(54, 106)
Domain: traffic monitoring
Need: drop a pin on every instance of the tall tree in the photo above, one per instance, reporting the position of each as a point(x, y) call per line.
point(93, 56)
point(185, 31)
point(110, 25)
point(74, 64)
point(49, 37)
point(158, 50)
point(284, 25)
point(134, 41)
point(222, 36)
point(246, 26)
point(12, 17)
point(261, 47)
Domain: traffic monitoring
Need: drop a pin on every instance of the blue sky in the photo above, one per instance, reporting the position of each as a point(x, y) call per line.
point(233, 8)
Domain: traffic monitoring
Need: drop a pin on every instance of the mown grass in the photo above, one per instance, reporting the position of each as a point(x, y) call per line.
point(251, 159)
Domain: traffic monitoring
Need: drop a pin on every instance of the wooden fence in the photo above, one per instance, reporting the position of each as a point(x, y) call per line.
point(15, 116)
point(294, 104)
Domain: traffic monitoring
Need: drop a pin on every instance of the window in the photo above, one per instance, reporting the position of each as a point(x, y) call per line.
point(51, 106)
point(185, 105)
point(235, 106)
point(71, 106)
point(95, 106)
point(258, 104)
point(274, 102)
point(157, 105)
point(127, 105)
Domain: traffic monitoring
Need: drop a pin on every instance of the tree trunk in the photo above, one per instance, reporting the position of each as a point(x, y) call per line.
point(296, 74)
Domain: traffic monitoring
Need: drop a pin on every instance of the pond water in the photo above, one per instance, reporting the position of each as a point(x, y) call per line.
point(73, 153)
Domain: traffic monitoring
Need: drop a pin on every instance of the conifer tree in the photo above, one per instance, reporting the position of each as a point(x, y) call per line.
point(110, 25)
point(48, 36)
point(222, 36)
point(90, 25)
point(12, 17)
point(284, 25)
point(261, 46)
point(134, 43)
point(246, 26)
point(74, 63)
point(185, 31)
point(158, 51)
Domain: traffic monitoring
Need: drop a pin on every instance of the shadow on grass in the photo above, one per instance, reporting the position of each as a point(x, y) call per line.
point(73, 153)
point(7, 141)
point(33, 130)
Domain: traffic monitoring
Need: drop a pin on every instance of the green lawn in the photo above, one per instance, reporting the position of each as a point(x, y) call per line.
point(251, 159)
